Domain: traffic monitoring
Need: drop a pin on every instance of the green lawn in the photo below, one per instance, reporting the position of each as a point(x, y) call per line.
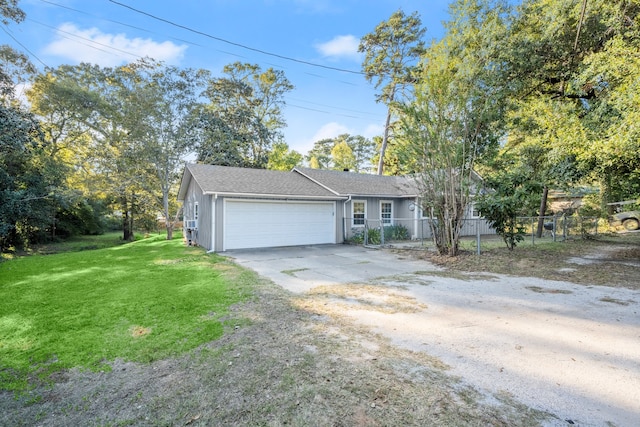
point(140, 301)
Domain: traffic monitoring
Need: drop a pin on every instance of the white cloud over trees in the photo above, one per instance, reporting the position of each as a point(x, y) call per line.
point(93, 46)
point(341, 47)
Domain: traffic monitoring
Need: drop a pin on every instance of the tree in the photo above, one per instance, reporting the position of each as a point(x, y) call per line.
point(512, 194)
point(579, 59)
point(453, 120)
point(244, 118)
point(27, 179)
point(391, 51)
point(27, 175)
point(166, 101)
point(282, 158)
point(355, 153)
point(124, 130)
point(343, 157)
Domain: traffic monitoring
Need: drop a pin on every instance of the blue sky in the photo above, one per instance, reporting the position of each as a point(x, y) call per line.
point(324, 103)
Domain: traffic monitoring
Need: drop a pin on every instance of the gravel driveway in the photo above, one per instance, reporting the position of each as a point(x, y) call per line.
point(571, 350)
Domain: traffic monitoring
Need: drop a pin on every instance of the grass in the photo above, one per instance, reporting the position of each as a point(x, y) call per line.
point(141, 301)
point(72, 244)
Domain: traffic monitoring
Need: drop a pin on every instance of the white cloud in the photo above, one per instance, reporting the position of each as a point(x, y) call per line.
point(93, 46)
point(329, 130)
point(373, 130)
point(341, 47)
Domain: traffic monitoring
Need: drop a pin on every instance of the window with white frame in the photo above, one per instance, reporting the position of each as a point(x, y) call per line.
point(386, 212)
point(195, 211)
point(359, 212)
point(473, 209)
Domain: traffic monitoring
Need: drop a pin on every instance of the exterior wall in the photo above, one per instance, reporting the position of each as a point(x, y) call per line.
point(202, 235)
point(413, 220)
point(401, 214)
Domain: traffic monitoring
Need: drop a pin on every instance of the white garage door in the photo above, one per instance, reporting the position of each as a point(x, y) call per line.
point(261, 224)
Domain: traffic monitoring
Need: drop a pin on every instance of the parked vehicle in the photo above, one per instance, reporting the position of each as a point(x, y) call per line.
point(629, 220)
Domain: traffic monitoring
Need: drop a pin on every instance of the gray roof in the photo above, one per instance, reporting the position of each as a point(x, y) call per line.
point(357, 184)
point(214, 179)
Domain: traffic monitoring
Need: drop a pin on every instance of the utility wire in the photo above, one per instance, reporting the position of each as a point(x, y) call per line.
point(24, 47)
point(75, 38)
point(234, 43)
point(116, 22)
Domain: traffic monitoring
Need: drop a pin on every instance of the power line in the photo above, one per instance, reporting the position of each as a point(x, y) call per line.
point(234, 43)
point(333, 107)
point(24, 47)
point(124, 24)
point(74, 37)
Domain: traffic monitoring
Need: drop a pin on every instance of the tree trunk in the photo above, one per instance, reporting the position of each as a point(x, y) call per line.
point(127, 219)
point(385, 136)
point(543, 209)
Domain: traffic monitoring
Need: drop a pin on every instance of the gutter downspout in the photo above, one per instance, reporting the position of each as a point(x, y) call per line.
point(213, 224)
point(344, 218)
point(416, 219)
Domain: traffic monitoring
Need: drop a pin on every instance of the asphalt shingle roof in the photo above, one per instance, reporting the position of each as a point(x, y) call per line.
point(301, 182)
point(232, 180)
point(352, 183)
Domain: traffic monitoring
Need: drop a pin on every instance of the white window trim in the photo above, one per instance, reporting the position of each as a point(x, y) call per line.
point(390, 213)
point(472, 207)
point(353, 218)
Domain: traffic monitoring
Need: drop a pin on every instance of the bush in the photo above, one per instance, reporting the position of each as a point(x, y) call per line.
point(373, 236)
point(357, 236)
point(396, 232)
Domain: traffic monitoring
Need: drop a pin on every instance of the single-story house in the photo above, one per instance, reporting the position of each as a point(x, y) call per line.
point(227, 208)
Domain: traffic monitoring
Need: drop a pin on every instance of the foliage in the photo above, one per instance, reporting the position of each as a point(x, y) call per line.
point(395, 232)
point(244, 118)
point(353, 152)
point(453, 120)
point(357, 236)
point(167, 98)
point(27, 179)
point(282, 158)
point(511, 195)
point(372, 236)
point(391, 51)
point(573, 69)
point(123, 132)
point(85, 309)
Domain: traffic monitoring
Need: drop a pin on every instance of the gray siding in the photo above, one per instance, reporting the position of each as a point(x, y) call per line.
point(201, 236)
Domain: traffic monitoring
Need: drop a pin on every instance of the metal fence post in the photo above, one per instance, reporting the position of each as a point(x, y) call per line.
point(533, 235)
point(477, 237)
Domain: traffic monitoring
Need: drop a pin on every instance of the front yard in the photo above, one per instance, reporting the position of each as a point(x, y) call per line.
point(154, 333)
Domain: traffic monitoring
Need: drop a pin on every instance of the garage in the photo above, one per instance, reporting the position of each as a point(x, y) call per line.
point(265, 223)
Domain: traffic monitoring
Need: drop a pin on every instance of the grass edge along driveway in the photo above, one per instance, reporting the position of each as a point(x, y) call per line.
point(141, 301)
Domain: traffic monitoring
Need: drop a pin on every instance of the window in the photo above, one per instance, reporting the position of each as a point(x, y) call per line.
point(475, 213)
point(195, 211)
point(386, 212)
point(359, 208)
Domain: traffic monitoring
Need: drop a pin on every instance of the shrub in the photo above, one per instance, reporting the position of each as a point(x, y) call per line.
point(396, 232)
point(357, 236)
point(373, 236)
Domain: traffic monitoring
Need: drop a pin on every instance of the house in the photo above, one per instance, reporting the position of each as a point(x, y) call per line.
point(229, 208)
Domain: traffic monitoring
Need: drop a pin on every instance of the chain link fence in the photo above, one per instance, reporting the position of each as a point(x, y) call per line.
point(476, 234)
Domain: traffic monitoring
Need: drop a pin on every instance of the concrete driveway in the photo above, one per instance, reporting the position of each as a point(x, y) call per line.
point(299, 269)
point(571, 350)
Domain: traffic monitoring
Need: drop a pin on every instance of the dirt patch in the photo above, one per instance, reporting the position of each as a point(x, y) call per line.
point(612, 260)
point(282, 361)
point(139, 331)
